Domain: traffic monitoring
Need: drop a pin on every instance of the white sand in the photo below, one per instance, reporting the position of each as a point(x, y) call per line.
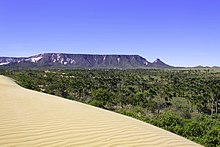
point(29, 118)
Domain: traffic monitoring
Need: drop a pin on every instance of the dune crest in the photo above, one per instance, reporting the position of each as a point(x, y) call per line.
point(30, 118)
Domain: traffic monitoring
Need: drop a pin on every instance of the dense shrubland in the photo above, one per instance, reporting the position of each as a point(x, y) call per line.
point(185, 102)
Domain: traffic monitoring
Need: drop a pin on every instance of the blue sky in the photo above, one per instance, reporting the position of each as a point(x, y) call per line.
point(179, 32)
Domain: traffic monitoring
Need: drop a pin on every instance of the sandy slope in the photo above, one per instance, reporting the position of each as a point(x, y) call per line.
point(29, 118)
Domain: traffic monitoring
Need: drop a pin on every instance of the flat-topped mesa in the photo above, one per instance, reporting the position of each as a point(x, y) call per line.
point(80, 61)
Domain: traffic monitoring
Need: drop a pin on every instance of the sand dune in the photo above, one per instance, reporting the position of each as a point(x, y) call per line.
point(29, 118)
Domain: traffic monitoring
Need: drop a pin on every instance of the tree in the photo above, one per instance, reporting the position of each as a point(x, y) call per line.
point(101, 95)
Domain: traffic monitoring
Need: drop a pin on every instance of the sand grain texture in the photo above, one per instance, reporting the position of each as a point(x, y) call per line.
point(29, 118)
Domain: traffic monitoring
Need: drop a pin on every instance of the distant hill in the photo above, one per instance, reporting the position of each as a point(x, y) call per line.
point(81, 61)
point(159, 63)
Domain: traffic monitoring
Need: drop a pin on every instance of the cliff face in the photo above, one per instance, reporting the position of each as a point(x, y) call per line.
point(81, 61)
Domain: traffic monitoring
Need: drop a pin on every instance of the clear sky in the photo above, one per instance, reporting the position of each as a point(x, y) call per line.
point(179, 32)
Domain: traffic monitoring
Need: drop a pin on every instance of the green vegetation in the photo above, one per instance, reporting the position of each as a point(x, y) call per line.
point(183, 101)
